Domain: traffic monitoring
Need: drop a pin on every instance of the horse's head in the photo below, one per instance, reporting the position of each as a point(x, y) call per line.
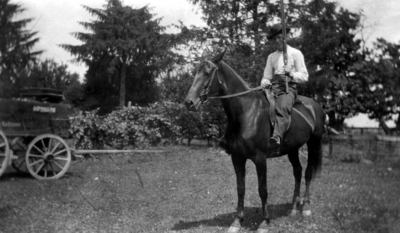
point(205, 82)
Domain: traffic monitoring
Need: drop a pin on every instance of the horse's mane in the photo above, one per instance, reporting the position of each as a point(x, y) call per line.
point(227, 70)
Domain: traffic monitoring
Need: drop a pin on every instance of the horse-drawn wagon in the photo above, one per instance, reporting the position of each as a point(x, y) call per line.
point(33, 129)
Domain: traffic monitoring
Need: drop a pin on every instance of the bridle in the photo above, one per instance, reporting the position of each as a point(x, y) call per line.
point(206, 89)
point(214, 72)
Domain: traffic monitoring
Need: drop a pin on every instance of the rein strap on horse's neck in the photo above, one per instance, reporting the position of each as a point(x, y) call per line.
point(206, 89)
point(236, 94)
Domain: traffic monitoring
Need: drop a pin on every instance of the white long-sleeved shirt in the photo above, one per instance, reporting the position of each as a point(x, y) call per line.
point(275, 65)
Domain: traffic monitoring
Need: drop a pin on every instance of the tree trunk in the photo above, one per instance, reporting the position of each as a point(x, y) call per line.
point(122, 86)
point(256, 25)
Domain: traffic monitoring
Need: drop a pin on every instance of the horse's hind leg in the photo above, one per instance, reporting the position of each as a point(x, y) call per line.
point(297, 173)
point(314, 163)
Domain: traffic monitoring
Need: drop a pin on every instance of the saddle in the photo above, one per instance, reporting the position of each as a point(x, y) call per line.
point(271, 99)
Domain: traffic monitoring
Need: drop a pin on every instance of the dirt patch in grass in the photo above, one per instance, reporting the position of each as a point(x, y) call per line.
point(193, 189)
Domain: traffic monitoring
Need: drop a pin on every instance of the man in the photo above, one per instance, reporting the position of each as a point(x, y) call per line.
point(274, 74)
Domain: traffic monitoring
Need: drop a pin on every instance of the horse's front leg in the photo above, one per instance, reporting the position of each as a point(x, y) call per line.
point(239, 165)
point(261, 166)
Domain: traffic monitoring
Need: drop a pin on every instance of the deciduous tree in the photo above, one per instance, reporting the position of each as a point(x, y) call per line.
point(328, 41)
point(321, 29)
point(381, 79)
point(50, 74)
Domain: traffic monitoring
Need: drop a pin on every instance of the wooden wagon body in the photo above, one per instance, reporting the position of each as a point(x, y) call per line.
point(32, 118)
point(32, 132)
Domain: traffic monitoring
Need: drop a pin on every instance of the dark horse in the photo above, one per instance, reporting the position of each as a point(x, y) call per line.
point(249, 128)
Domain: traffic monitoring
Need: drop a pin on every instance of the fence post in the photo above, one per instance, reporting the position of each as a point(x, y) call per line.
point(368, 149)
point(376, 148)
point(351, 142)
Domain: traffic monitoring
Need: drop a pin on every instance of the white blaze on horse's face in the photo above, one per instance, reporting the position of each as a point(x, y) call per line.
point(200, 83)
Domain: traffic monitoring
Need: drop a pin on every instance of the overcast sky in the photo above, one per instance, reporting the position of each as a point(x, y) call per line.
point(55, 20)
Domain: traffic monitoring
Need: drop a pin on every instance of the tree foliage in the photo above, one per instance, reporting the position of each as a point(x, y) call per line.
point(378, 76)
point(386, 80)
point(16, 45)
point(322, 30)
point(328, 41)
point(126, 49)
point(240, 26)
point(50, 74)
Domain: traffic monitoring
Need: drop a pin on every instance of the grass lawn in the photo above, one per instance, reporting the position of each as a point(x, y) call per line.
point(193, 189)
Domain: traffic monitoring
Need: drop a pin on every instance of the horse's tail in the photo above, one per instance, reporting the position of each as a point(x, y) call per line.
point(315, 155)
point(317, 164)
point(314, 146)
point(329, 129)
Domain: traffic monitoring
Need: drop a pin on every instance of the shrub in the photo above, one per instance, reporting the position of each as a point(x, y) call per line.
point(141, 127)
point(85, 130)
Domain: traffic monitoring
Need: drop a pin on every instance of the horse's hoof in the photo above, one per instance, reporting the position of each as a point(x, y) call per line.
point(235, 226)
point(262, 230)
point(306, 213)
point(263, 227)
point(294, 212)
point(233, 229)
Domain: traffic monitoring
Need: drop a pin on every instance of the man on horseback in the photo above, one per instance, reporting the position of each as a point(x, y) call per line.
point(283, 78)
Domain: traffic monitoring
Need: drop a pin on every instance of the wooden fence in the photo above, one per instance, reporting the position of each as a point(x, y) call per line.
point(364, 146)
point(364, 130)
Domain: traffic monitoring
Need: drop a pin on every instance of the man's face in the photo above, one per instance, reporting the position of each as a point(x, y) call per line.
point(276, 42)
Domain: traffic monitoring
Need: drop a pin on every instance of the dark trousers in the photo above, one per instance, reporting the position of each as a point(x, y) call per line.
point(283, 103)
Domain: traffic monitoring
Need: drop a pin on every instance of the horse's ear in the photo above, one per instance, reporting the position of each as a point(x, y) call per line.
point(219, 57)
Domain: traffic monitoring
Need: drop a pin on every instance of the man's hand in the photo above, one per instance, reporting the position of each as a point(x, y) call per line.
point(265, 83)
point(288, 70)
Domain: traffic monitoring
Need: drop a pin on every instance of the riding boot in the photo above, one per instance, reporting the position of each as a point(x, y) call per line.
point(274, 145)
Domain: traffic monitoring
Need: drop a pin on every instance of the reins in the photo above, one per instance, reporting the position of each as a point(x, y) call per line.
point(204, 94)
point(236, 94)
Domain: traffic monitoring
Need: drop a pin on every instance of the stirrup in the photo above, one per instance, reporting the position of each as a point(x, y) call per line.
point(274, 141)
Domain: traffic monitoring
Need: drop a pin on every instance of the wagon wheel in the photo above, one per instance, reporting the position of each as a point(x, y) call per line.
point(4, 153)
point(48, 157)
point(19, 148)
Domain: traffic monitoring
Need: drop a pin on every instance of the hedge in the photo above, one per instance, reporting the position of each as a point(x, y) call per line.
point(142, 127)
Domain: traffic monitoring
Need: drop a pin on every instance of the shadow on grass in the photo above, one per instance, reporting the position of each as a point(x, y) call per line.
point(252, 219)
point(12, 174)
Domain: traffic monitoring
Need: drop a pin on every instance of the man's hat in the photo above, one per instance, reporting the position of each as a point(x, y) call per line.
point(275, 30)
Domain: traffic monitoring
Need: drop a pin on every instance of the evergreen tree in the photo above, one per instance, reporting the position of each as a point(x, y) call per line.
point(126, 49)
point(16, 44)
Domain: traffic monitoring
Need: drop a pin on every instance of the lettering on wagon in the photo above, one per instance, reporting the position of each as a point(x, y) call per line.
point(44, 109)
